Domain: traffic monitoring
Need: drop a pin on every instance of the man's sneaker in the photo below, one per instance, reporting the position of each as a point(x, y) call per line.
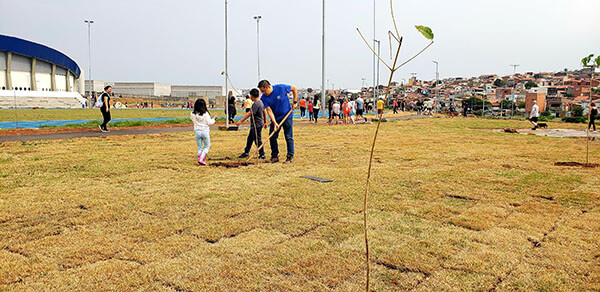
point(289, 159)
point(262, 157)
point(243, 155)
point(274, 160)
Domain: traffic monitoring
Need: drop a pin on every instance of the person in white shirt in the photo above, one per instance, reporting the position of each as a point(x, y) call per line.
point(202, 122)
point(534, 115)
point(336, 112)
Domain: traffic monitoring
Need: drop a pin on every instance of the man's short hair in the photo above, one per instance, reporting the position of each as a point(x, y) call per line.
point(264, 84)
point(107, 87)
point(254, 92)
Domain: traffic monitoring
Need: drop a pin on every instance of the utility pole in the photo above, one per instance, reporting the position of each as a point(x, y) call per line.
point(258, 17)
point(512, 112)
point(89, 24)
point(437, 78)
point(226, 73)
point(323, 88)
point(378, 53)
point(374, 57)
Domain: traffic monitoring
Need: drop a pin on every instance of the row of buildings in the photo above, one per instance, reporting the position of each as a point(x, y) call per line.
point(558, 92)
point(155, 90)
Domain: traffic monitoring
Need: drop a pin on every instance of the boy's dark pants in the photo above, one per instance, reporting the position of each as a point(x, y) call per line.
point(254, 136)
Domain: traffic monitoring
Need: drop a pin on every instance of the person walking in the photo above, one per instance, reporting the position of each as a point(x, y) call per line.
point(105, 108)
point(248, 103)
point(310, 110)
point(316, 108)
point(330, 106)
point(380, 104)
point(277, 105)
point(231, 106)
point(534, 115)
point(395, 106)
point(302, 104)
point(202, 122)
point(593, 115)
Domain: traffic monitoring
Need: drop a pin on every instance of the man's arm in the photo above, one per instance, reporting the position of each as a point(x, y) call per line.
point(295, 94)
point(272, 117)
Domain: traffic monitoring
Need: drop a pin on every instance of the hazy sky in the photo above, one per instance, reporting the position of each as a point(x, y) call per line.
point(182, 42)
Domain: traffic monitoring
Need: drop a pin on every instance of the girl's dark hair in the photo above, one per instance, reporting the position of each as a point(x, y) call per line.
point(316, 99)
point(200, 107)
point(107, 87)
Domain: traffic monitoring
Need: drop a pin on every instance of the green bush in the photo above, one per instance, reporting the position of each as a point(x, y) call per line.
point(575, 119)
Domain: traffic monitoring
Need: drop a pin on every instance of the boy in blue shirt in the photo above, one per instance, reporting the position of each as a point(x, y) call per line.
point(277, 105)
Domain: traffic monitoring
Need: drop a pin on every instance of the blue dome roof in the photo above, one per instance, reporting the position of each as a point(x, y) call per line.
point(38, 51)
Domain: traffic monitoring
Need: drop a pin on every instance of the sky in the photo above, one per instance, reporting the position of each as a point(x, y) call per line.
point(182, 42)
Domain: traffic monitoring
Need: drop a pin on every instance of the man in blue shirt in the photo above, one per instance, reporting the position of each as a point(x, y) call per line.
point(277, 106)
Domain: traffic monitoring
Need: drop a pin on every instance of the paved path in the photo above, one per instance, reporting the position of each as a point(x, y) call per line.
point(560, 133)
point(142, 131)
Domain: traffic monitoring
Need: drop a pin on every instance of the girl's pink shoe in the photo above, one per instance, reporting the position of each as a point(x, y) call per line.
point(202, 159)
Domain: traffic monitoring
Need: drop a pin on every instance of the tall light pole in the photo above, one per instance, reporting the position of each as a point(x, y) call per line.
point(89, 24)
point(514, 89)
point(226, 73)
point(258, 17)
point(437, 78)
point(374, 57)
point(378, 53)
point(323, 88)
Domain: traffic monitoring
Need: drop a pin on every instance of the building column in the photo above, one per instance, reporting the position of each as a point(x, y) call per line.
point(8, 71)
point(53, 78)
point(33, 81)
point(68, 81)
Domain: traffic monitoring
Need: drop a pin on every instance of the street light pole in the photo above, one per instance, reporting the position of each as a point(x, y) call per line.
point(437, 78)
point(512, 112)
point(374, 57)
point(226, 73)
point(89, 24)
point(323, 88)
point(258, 17)
point(378, 53)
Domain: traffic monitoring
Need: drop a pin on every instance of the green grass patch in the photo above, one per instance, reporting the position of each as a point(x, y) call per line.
point(120, 124)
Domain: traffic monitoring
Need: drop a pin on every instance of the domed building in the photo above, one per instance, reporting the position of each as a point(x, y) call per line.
point(34, 75)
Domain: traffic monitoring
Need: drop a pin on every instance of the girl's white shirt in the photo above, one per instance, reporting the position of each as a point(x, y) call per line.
point(202, 122)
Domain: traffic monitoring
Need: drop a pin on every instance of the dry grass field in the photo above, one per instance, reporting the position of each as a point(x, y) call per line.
point(453, 207)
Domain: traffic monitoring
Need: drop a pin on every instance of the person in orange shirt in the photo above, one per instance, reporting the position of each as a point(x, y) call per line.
point(302, 104)
point(346, 110)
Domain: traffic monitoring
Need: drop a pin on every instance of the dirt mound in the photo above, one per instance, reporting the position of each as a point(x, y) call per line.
point(572, 163)
point(232, 164)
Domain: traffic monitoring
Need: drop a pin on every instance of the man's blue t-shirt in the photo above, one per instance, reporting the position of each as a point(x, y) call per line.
point(278, 101)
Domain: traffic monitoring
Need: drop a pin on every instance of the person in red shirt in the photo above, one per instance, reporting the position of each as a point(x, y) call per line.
point(395, 106)
point(302, 104)
point(310, 110)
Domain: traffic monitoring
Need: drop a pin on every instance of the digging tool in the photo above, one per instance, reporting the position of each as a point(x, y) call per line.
point(271, 135)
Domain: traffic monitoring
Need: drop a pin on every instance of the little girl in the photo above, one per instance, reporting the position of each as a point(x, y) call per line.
point(202, 122)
